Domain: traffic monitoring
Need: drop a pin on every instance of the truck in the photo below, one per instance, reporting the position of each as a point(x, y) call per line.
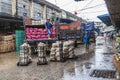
point(65, 28)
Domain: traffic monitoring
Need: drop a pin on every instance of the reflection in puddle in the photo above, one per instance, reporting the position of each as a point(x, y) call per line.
point(82, 70)
point(77, 71)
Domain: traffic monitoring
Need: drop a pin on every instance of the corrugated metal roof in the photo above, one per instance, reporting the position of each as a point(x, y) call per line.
point(10, 18)
point(114, 11)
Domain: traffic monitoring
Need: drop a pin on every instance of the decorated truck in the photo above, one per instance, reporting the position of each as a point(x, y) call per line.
point(64, 28)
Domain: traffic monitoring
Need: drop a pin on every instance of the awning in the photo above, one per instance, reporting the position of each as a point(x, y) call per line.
point(105, 18)
point(9, 18)
point(114, 11)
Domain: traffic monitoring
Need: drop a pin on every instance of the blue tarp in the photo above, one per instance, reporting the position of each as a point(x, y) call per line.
point(37, 19)
point(88, 26)
point(105, 18)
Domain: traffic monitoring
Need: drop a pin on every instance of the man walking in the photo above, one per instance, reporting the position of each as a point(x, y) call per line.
point(86, 40)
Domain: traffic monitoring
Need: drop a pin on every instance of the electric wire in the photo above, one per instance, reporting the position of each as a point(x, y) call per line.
point(88, 4)
point(67, 4)
point(95, 11)
point(89, 7)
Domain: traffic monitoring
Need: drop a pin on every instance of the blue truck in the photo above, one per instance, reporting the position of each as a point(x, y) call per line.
point(89, 27)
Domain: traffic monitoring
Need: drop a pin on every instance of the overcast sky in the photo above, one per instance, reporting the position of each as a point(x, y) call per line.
point(87, 9)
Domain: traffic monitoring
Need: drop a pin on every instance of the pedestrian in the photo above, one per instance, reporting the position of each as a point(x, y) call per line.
point(48, 26)
point(111, 36)
point(86, 40)
point(105, 35)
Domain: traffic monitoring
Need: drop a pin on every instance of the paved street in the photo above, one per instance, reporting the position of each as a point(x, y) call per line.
point(98, 57)
point(31, 29)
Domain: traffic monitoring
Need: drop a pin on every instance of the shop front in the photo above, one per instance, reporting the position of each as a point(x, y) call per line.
point(8, 26)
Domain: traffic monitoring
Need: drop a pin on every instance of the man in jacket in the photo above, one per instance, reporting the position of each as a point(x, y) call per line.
point(86, 40)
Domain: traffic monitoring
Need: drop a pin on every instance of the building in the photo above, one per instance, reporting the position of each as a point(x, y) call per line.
point(12, 11)
point(114, 11)
point(12, 14)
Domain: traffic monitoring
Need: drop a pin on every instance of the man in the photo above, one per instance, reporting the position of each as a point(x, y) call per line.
point(86, 40)
point(48, 26)
point(52, 16)
point(105, 35)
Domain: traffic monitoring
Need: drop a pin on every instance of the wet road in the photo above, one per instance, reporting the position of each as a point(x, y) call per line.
point(98, 57)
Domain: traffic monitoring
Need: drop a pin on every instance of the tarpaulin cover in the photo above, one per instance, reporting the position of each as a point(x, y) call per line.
point(65, 21)
point(37, 19)
point(105, 18)
point(88, 26)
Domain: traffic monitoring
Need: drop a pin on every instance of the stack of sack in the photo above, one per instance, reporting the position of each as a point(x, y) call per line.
point(41, 53)
point(38, 22)
point(55, 51)
point(36, 33)
point(39, 33)
point(25, 53)
point(68, 49)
